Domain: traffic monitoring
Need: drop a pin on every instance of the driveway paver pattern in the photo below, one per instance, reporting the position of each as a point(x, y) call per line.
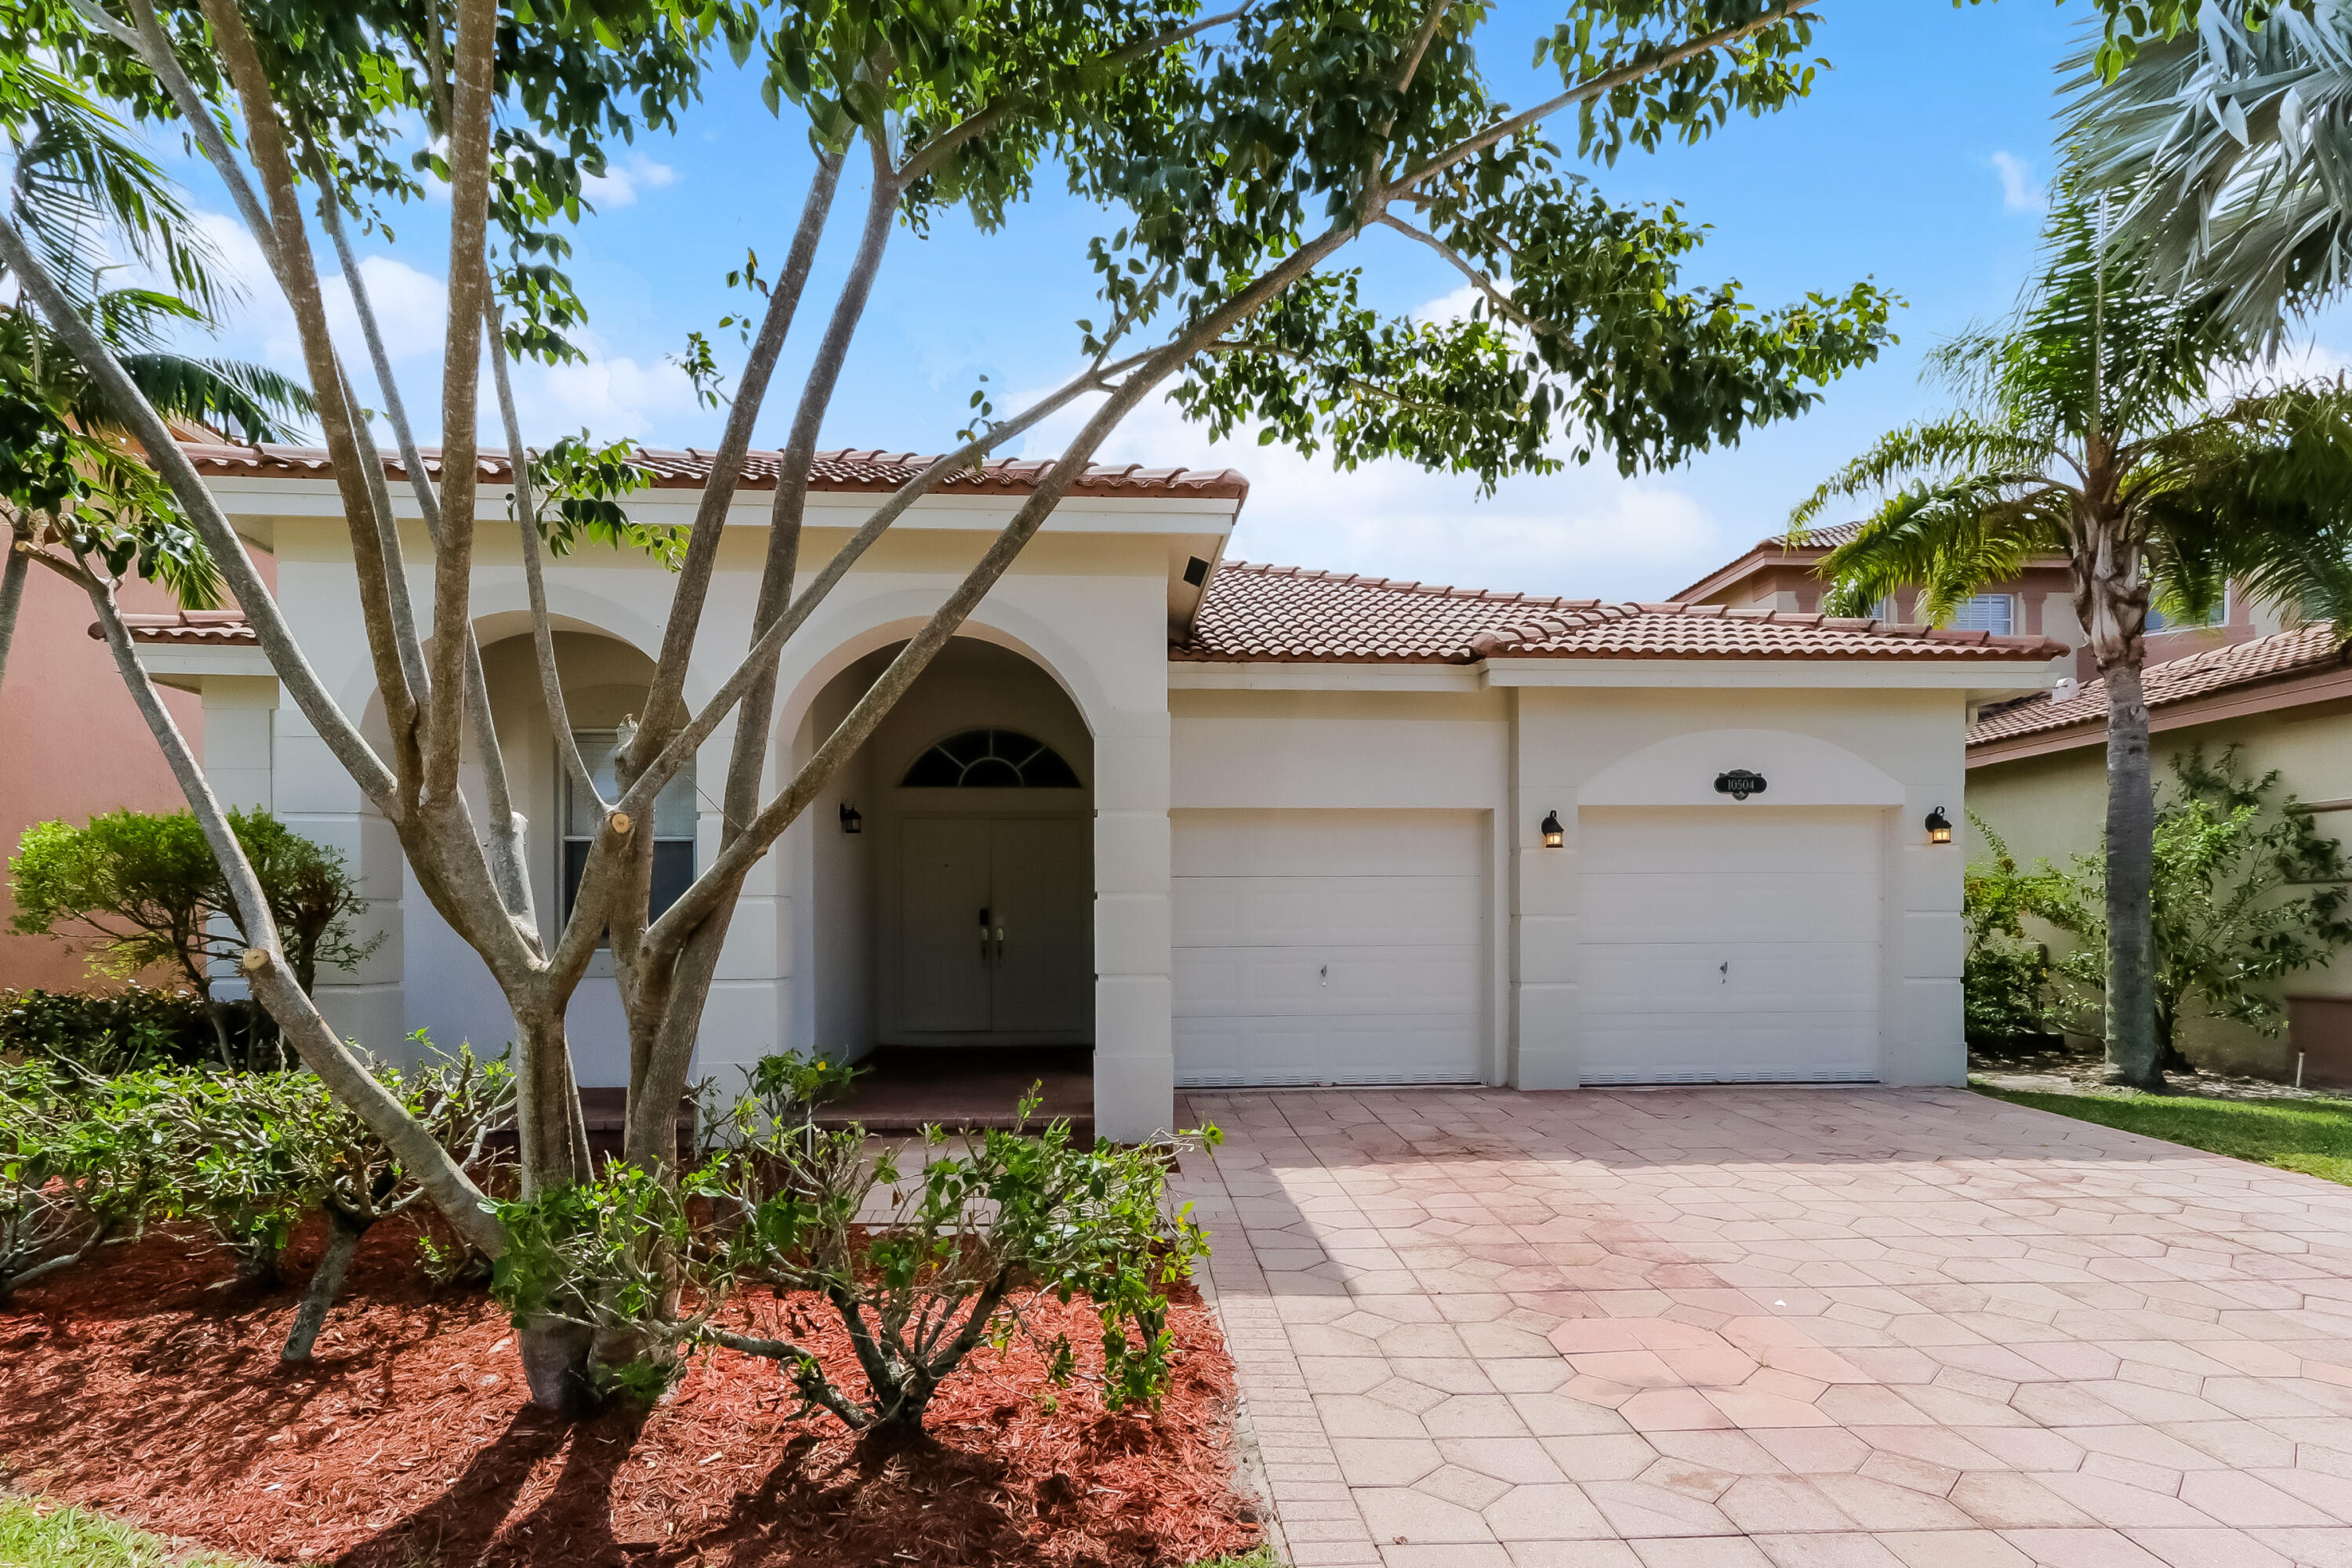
point(1775, 1328)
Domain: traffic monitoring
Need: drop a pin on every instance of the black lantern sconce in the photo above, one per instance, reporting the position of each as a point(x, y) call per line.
point(1554, 834)
point(1939, 827)
point(851, 821)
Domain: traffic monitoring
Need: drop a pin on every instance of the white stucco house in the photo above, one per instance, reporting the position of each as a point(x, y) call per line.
point(1224, 822)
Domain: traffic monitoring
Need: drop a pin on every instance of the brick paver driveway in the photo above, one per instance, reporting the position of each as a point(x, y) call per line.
point(1728, 1328)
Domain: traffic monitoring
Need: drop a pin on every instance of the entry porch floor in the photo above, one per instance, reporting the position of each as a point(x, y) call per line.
point(1776, 1327)
point(904, 1089)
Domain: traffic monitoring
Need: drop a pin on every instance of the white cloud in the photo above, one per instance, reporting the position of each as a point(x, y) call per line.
point(411, 310)
point(1583, 532)
point(610, 396)
point(2020, 191)
point(621, 183)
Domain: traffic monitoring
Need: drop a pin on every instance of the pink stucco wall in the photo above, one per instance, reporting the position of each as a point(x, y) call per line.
point(71, 744)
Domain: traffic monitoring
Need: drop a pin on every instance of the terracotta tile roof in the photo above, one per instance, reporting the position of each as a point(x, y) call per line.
point(188, 629)
point(1255, 612)
point(2281, 654)
point(874, 472)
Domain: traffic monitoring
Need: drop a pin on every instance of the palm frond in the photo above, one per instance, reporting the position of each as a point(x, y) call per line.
point(80, 180)
point(2229, 152)
point(1939, 450)
point(1948, 539)
point(259, 401)
point(2259, 497)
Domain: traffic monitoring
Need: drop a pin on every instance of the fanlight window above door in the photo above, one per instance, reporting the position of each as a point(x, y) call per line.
point(990, 759)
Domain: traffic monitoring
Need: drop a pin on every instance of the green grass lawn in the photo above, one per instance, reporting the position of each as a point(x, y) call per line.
point(2314, 1136)
point(33, 1534)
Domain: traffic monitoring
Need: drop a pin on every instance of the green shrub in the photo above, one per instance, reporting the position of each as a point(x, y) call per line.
point(109, 1032)
point(146, 892)
point(244, 1156)
point(2246, 892)
point(923, 1264)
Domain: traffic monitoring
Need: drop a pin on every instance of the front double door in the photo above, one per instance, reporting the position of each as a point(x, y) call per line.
point(996, 930)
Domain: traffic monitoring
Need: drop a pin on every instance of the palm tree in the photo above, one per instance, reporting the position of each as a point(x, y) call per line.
point(2097, 423)
point(2228, 152)
point(64, 463)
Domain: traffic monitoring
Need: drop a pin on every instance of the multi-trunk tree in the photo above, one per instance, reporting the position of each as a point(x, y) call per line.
point(1237, 155)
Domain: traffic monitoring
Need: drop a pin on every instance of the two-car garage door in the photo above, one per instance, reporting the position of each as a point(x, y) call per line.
point(1330, 947)
point(1716, 946)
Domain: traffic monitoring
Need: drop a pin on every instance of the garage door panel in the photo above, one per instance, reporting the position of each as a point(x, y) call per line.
point(1755, 838)
point(1730, 946)
point(1326, 843)
point(1329, 947)
point(1836, 904)
point(1305, 1051)
point(1695, 1048)
point(1289, 911)
point(1244, 982)
point(1780, 977)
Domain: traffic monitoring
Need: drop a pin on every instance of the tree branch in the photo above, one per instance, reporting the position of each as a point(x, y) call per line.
point(681, 989)
point(925, 161)
point(461, 369)
point(1591, 87)
point(12, 573)
point(265, 136)
point(147, 427)
point(543, 635)
point(154, 50)
point(1483, 284)
point(667, 695)
point(264, 964)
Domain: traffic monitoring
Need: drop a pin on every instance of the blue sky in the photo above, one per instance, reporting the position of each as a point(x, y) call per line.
point(1916, 162)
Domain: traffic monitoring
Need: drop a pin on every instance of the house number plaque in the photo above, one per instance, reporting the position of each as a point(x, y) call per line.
point(1740, 783)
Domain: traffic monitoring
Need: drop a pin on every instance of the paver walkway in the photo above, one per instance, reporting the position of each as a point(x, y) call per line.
point(1815, 1328)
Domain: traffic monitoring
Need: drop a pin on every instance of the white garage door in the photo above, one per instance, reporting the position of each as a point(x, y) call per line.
point(1734, 946)
point(1329, 947)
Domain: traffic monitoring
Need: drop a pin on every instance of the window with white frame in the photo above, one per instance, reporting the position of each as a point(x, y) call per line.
point(673, 822)
point(1994, 613)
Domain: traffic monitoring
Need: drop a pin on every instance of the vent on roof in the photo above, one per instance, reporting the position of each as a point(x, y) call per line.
point(1196, 572)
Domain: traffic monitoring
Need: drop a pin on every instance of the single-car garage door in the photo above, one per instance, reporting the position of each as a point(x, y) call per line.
point(1730, 946)
point(1329, 947)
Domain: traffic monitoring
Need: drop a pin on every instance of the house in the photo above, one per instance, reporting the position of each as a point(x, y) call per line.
point(77, 748)
point(2037, 775)
point(2039, 602)
point(1224, 823)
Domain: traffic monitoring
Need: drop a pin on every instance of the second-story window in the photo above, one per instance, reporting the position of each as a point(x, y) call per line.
point(1994, 613)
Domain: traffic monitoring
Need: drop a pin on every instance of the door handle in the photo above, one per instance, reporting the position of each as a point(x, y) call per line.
point(999, 944)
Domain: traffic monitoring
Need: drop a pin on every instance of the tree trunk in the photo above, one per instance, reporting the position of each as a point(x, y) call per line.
point(552, 1134)
point(556, 1366)
point(12, 573)
point(343, 1235)
point(2134, 1056)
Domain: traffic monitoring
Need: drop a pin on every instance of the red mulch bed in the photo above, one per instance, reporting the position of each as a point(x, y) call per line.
point(139, 1385)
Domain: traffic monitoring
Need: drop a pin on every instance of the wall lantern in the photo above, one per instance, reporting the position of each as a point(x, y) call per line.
point(1740, 783)
point(1939, 827)
point(851, 821)
point(1554, 834)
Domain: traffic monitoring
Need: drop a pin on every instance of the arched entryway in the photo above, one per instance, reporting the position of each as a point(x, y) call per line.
point(951, 887)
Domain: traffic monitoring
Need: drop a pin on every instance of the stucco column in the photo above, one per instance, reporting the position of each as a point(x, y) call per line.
point(1543, 1022)
point(1134, 1057)
point(750, 994)
point(314, 796)
point(240, 738)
